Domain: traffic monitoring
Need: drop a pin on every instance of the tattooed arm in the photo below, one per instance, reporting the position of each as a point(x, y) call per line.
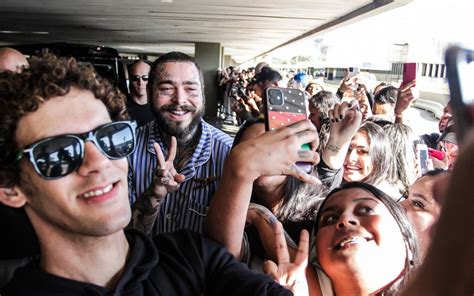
point(144, 212)
point(165, 179)
point(345, 120)
point(263, 220)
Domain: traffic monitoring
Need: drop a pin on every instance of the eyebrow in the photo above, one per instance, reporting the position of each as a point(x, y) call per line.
point(334, 208)
point(187, 82)
point(423, 197)
point(359, 146)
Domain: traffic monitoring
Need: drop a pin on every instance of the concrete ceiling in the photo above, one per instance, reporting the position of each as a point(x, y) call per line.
point(245, 28)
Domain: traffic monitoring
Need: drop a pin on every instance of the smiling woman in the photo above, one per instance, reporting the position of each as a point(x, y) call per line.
point(364, 242)
point(369, 158)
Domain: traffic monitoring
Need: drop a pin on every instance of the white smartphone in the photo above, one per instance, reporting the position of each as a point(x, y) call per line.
point(423, 158)
point(351, 72)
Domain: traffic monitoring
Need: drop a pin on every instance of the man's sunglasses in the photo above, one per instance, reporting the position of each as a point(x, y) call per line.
point(135, 78)
point(57, 156)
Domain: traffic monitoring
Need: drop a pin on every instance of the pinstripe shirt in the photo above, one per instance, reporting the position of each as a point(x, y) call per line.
point(186, 207)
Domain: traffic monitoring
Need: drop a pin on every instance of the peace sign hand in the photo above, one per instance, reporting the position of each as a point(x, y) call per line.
point(165, 177)
point(290, 275)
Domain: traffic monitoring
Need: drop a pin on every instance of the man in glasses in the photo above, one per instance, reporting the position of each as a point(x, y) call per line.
point(79, 206)
point(179, 157)
point(137, 102)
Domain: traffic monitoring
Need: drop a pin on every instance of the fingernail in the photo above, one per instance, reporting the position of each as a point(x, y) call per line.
point(340, 116)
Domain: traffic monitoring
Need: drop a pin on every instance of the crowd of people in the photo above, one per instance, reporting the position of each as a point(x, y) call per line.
point(178, 207)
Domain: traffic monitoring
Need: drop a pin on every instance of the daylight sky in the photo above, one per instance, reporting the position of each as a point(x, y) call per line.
point(422, 23)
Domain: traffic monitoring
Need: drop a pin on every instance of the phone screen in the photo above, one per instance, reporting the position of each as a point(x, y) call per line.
point(423, 158)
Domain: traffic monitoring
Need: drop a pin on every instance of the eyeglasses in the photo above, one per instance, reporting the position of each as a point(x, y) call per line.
point(57, 156)
point(135, 78)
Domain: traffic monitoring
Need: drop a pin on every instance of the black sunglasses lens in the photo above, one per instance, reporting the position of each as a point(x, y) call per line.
point(58, 157)
point(135, 78)
point(116, 140)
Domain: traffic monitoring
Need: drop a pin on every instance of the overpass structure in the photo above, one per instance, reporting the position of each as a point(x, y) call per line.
point(217, 33)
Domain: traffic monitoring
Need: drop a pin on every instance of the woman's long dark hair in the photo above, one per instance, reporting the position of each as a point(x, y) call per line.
point(398, 213)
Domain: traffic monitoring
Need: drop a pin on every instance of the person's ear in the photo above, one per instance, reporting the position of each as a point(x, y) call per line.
point(12, 197)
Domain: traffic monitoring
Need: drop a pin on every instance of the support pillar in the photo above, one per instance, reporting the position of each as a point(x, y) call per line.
point(209, 57)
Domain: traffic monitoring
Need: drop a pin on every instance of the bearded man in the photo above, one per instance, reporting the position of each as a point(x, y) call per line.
point(179, 157)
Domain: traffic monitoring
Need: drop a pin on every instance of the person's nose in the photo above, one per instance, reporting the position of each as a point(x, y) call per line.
point(180, 96)
point(352, 155)
point(94, 160)
point(345, 221)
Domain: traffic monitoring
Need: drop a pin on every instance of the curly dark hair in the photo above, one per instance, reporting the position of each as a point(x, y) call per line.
point(47, 77)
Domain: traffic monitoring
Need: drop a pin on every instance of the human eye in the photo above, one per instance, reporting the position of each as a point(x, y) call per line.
point(165, 90)
point(418, 204)
point(362, 151)
point(366, 210)
point(328, 219)
point(192, 89)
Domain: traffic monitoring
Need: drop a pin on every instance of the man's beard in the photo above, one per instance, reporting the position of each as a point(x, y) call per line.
point(183, 134)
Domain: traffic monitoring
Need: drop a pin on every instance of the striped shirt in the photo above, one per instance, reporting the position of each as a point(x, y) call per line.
point(186, 207)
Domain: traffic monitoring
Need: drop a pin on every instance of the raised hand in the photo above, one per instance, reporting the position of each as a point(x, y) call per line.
point(345, 120)
point(165, 177)
point(276, 152)
point(404, 98)
point(289, 274)
point(347, 83)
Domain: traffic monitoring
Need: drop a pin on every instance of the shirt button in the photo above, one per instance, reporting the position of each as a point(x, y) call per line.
point(168, 216)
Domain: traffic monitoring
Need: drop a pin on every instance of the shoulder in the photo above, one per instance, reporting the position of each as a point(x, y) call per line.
point(220, 139)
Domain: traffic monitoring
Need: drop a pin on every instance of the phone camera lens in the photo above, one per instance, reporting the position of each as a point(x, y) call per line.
point(275, 97)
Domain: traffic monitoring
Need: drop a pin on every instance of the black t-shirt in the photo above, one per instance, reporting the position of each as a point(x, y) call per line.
point(140, 113)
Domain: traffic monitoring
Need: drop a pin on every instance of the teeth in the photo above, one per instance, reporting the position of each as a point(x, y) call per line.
point(178, 112)
point(352, 168)
point(98, 192)
point(351, 240)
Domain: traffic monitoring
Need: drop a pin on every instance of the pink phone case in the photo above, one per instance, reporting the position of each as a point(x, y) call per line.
point(409, 72)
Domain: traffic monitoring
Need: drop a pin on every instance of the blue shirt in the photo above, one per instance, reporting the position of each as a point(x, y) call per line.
point(186, 207)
